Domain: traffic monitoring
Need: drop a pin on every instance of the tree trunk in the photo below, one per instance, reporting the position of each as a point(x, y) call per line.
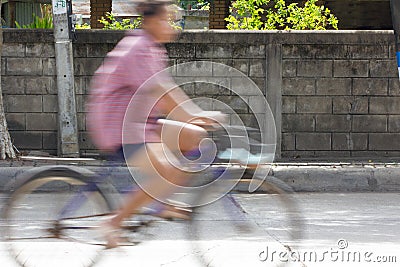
point(6, 146)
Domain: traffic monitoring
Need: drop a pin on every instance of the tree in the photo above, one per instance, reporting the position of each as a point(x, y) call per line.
point(272, 15)
point(6, 146)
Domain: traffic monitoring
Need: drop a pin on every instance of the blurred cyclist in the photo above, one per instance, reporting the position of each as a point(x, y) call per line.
point(125, 106)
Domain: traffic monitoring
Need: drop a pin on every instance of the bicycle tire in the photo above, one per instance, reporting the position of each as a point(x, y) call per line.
point(33, 232)
point(241, 235)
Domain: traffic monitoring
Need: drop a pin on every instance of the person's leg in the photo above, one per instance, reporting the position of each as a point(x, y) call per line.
point(154, 167)
point(181, 136)
point(159, 168)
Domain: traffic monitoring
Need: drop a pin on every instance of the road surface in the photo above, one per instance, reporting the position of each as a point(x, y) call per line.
point(350, 229)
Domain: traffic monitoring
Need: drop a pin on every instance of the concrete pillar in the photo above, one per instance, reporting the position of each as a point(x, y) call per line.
point(274, 89)
point(68, 145)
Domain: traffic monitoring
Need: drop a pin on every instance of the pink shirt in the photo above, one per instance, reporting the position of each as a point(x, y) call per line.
point(115, 86)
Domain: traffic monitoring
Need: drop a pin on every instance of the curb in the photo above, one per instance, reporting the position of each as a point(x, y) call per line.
point(303, 177)
point(351, 178)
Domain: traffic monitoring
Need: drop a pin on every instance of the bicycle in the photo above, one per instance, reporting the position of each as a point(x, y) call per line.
point(66, 234)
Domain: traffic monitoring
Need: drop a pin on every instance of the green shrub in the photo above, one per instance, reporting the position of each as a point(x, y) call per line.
point(255, 15)
point(43, 22)
point(83, 26)
point(195, 4)
point(111, 23)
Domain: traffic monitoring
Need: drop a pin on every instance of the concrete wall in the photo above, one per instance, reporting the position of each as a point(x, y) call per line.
point(340, 97)
point(334, 94)
point(195, 19)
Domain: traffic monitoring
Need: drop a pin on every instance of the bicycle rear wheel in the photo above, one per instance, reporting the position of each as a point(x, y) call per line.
point(50, 221)
point(237, 230)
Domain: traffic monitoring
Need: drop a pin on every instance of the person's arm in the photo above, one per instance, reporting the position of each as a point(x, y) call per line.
point(180, 107)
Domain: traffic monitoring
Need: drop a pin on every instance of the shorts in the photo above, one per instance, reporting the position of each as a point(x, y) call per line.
point(125, 152)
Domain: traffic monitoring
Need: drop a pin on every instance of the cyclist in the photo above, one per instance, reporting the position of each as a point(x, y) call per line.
point(122, 93)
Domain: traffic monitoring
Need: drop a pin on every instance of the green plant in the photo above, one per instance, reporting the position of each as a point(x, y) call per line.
point(82, 26)
point(262, 15)
point(43, 22)
point(203, 5)
point(173, 17)
point(111, 23)
point(194, 4)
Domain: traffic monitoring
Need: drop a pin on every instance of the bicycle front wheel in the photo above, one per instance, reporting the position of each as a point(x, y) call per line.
point(50, 221)
point(237, 230)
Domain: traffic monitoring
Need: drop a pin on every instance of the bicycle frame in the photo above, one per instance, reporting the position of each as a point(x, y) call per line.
point(92, 186)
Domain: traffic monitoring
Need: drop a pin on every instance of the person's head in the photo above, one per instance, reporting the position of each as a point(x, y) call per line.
point(156, 17)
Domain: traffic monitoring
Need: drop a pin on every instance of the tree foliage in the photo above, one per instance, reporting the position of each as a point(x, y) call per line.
point(276, 14)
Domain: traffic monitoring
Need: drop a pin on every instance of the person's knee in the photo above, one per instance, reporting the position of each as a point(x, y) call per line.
point(191, 136)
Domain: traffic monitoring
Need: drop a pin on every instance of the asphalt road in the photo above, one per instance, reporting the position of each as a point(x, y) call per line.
point(354, 229)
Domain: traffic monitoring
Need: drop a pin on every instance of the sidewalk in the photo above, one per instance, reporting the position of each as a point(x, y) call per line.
point(379, 175)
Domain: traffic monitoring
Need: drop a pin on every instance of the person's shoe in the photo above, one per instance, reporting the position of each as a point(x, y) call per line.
point(111, 235)
point(171, 213)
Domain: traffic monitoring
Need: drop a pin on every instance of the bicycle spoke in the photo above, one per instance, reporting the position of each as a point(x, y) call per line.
point(240, 231)
point(36, 237)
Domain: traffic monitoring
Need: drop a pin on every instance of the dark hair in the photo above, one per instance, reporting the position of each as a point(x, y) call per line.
point(150, 9)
